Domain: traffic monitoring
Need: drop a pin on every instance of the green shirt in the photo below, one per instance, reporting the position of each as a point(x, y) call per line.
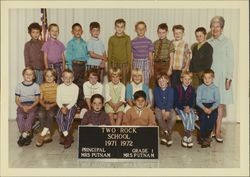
point(119, 49)
point(163, 54)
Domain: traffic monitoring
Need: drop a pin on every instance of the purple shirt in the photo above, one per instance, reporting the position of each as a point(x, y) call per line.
point(141, 47)
point(54, 49)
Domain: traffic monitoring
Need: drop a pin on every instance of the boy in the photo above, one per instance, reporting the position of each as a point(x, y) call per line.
point(180, 57)
point(164, 112)
point(119, 50)
point(139, 114)
point(33, 56)
point(207, 100)
point(76, 58)
point(96, 50)
point(162, 50)
point(66, 98)
point(202, 56)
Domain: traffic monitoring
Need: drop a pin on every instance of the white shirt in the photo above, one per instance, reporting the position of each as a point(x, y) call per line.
point(89, 90)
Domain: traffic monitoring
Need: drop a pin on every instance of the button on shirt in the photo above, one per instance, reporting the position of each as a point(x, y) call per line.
point(95, 45)
point(164, 98)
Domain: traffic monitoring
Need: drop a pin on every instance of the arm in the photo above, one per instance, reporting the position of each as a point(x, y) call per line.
point(170, 100)
point(157, 98)
point(127, 118)
point(110, 49)
point(217, 99)
point(63, 60)
point(129, 51)
point(151, 121)
point(69, 55)
point(74, 98)
point(198, 98)
point(171, 56)
point(191, 101)
point(230, 64)
point(58, 97)
point(151, 63)
point(129, 94)
point(85, 120)
point(26, 55)
point(45, 60)
point(17, 100)
point(187, 54)
point(208, 58)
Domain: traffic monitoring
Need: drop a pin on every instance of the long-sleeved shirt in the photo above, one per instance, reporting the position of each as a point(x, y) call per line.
point(119, 49)
point(164, 99)
point(89, 90)
point(95, 118)
point(67, 94)
point(76, 50)
point(132, 88)
point(184, 96)
point(208, 94)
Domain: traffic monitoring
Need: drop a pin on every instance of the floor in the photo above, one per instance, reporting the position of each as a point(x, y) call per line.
point(52, 155)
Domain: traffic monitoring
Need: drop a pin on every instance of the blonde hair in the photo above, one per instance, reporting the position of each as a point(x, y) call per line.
point(140, 23)
point(115, 71)
point(187, 73)
point(137, 71)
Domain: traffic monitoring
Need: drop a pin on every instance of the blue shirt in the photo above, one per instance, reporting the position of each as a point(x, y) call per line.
point(76, 50)
point(208, 94)
point(164, 98)
point(95, 45)
point(130, 90)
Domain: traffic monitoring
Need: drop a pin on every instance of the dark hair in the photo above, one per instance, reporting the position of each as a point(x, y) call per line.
point(96, 96)
point(120, 20)
point(75, 25)
point(35, 26)
point(163, 26)
point(201, 29)
point(208, 71)
point(94, 25)
point(178, 27)
point(93, 71)
point(140, 94)
point(53, 24)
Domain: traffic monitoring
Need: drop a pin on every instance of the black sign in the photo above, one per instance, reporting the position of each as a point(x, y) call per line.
point(117, 142)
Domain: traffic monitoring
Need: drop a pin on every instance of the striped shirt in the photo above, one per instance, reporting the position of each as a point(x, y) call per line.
point(141, 47)
point(166, 49)
point(27, 93)
point(48, 92)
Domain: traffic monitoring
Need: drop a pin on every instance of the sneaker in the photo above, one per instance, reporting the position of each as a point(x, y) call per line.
point(163, 141)
point(205, 143)
point(47, 138)
point(68, 140)
point(169, 138)
point(219, 139)
point(190, 142)
point(184, 142)
point(27, 140)
point(39, 141)
point(62, 139)
point(21, 141)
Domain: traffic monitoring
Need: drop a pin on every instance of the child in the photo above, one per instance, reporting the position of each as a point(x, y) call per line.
point(48, 107)
point(115, 97)
point(162, 50)
point(33, 56)
point(92, 86)
point(164, 112)
point(119, 50)
point(96, 50)
point(54, 52)
point(140, 114)
point(179, 58)
point(135, 85)
point(142, 49)
point(27, 97)
point(208, 100)
point(76, 57)
point(66, 98)
point(96, 115)
point(184, 99)
point(202, 57)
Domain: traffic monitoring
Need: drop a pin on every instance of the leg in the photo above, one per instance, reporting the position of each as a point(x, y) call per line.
point(42, 116)
point(218, 123)
point(21, 116)
point(30, 119)
point(119, 118)
point(111, 117)
point(171, 121)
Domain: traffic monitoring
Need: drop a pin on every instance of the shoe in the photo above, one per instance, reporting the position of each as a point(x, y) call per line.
point(184, 142)
point(21, 141)
point(205, 143)
point(163, 141)
point(68, 140)
point(219, 139)
point(40, 141)
point(190, 142)
point(62, 139)
point(47, 138)
point(27, 140)
point(169, 138)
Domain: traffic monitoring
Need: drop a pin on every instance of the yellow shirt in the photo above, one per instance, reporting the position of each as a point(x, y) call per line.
point(48, 92)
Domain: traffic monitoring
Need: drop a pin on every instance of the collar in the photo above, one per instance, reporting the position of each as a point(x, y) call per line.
point(95, 39)
point(28, 84)
point(136, 85)
point(220, 38)
point(92, 86)
point(75, 39)
point(185, 87)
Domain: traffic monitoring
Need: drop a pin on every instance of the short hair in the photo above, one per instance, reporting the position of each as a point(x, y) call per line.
point(75, 25)
point(201, 29)
point(162, 75)
point(208, 71)
point(34, 26)
point(120, 20)
point(186, 73)
point(53, 72)
point(218, 19)
point(115, 71)
point(53, 25)
point(163, 26)
point(67, 71)
point(93, 72)
point(31, 69)
point(140, 94)
point(136, 71)
point(178, 27)
point(140, 23)
point(96, 96)
point(94, 25)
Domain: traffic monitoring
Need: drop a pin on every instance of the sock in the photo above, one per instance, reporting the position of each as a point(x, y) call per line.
point(44, 132)
point(65, 133)
point(24, 134)
point(166, 132)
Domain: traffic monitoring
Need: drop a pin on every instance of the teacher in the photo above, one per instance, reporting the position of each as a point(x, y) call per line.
point(223, 61)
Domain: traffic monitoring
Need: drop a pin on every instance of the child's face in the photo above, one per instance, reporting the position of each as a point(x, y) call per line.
point(97, 105)
point(178, 34)
point(186, 80)
point(163, 82)
point(93, 79)
point(49, 77)
point(162, 33)
point(216, 30)
point(28, 76)
point(119, 28)
point(200, 37)
point(140, 102)
point(67, 78)
point(77, 31)
point(140, 30)
point(35, 33)
point(137, 78)
point(208, 79)
point(95, 32)
point(54, 32)
point(115, 78)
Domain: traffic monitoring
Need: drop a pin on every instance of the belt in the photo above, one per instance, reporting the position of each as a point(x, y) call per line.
point(78, 62)
point(160, 61)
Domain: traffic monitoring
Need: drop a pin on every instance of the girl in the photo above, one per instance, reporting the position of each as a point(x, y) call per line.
point(135, 85)
point(115, 97)
point(54, 52)
point(96, 116)
point(27, 97)
point(48, 107)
